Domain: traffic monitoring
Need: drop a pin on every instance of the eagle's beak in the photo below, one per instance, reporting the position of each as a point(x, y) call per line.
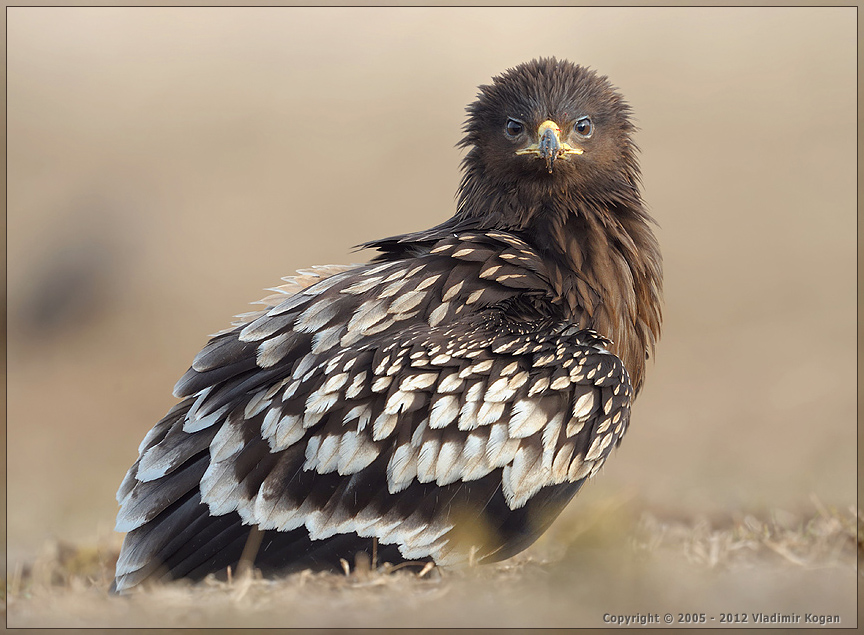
point(549, 145)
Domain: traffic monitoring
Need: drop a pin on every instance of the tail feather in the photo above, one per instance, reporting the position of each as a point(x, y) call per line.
point(145, 548)
point(223, 548)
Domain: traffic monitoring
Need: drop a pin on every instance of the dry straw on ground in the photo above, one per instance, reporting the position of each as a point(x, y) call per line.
point(605, 562)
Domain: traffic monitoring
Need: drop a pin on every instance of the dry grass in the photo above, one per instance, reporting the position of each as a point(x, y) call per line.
point(826, 539)
point(604, 561)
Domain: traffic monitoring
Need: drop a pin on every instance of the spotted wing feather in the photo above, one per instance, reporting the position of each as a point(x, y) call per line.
point(395, 400)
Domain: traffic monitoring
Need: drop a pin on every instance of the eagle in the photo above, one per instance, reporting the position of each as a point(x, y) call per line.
point(441, 403)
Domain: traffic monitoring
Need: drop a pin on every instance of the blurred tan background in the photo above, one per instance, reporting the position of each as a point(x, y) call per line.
point(165, 165)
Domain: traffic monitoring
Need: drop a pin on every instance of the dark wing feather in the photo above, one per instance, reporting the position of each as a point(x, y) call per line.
point(432, 403)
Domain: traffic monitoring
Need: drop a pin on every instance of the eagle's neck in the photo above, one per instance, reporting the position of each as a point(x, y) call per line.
point(602, 257)
point(605, 264)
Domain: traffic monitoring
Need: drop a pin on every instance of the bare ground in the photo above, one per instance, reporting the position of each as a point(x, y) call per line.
point(610, 562)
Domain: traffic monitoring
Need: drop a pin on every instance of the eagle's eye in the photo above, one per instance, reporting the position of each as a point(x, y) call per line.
point(584, 127)
point(514, 128)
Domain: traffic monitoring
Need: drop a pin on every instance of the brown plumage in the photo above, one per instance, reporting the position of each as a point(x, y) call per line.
point(444, 401)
